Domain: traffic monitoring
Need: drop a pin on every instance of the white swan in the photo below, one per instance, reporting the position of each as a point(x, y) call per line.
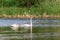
point(15, 26)
point(27, 26)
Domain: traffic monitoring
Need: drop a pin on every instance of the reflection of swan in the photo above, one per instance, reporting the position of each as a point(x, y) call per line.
point(15, 27)
point(27, 27)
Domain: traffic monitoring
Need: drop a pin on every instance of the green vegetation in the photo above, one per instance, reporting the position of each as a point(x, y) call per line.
point(34, 7)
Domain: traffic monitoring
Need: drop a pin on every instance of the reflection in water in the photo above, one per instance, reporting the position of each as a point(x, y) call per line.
point(27, 36)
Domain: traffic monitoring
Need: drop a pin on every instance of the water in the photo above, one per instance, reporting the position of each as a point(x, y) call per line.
point(27, 36)
point(35, 22)
point(35, 36)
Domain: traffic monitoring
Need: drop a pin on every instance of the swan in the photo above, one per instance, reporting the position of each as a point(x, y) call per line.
point(15, 27)
point(27, 26)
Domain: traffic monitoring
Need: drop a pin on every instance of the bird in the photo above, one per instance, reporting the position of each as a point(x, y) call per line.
point(27, 26)
point(15, 26)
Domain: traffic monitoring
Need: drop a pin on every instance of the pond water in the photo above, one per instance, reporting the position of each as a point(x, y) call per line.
point(36, 23)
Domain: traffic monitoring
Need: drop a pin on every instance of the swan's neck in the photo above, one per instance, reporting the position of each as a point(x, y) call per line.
point(31, 21)
point(31, 27)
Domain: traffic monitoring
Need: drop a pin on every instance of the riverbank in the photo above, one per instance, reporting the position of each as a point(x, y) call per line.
point(29, 16)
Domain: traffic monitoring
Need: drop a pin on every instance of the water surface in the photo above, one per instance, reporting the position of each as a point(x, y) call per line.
point(36, 23)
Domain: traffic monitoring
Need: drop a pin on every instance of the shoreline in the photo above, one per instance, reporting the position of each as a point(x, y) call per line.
point(29, 16)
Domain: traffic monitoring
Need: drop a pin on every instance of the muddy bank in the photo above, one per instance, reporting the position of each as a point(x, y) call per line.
point(29, 16)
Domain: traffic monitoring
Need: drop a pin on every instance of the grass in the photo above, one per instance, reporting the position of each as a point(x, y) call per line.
point(12, 11)
point(20, 11)
point(48, 7)
point(30, 11)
